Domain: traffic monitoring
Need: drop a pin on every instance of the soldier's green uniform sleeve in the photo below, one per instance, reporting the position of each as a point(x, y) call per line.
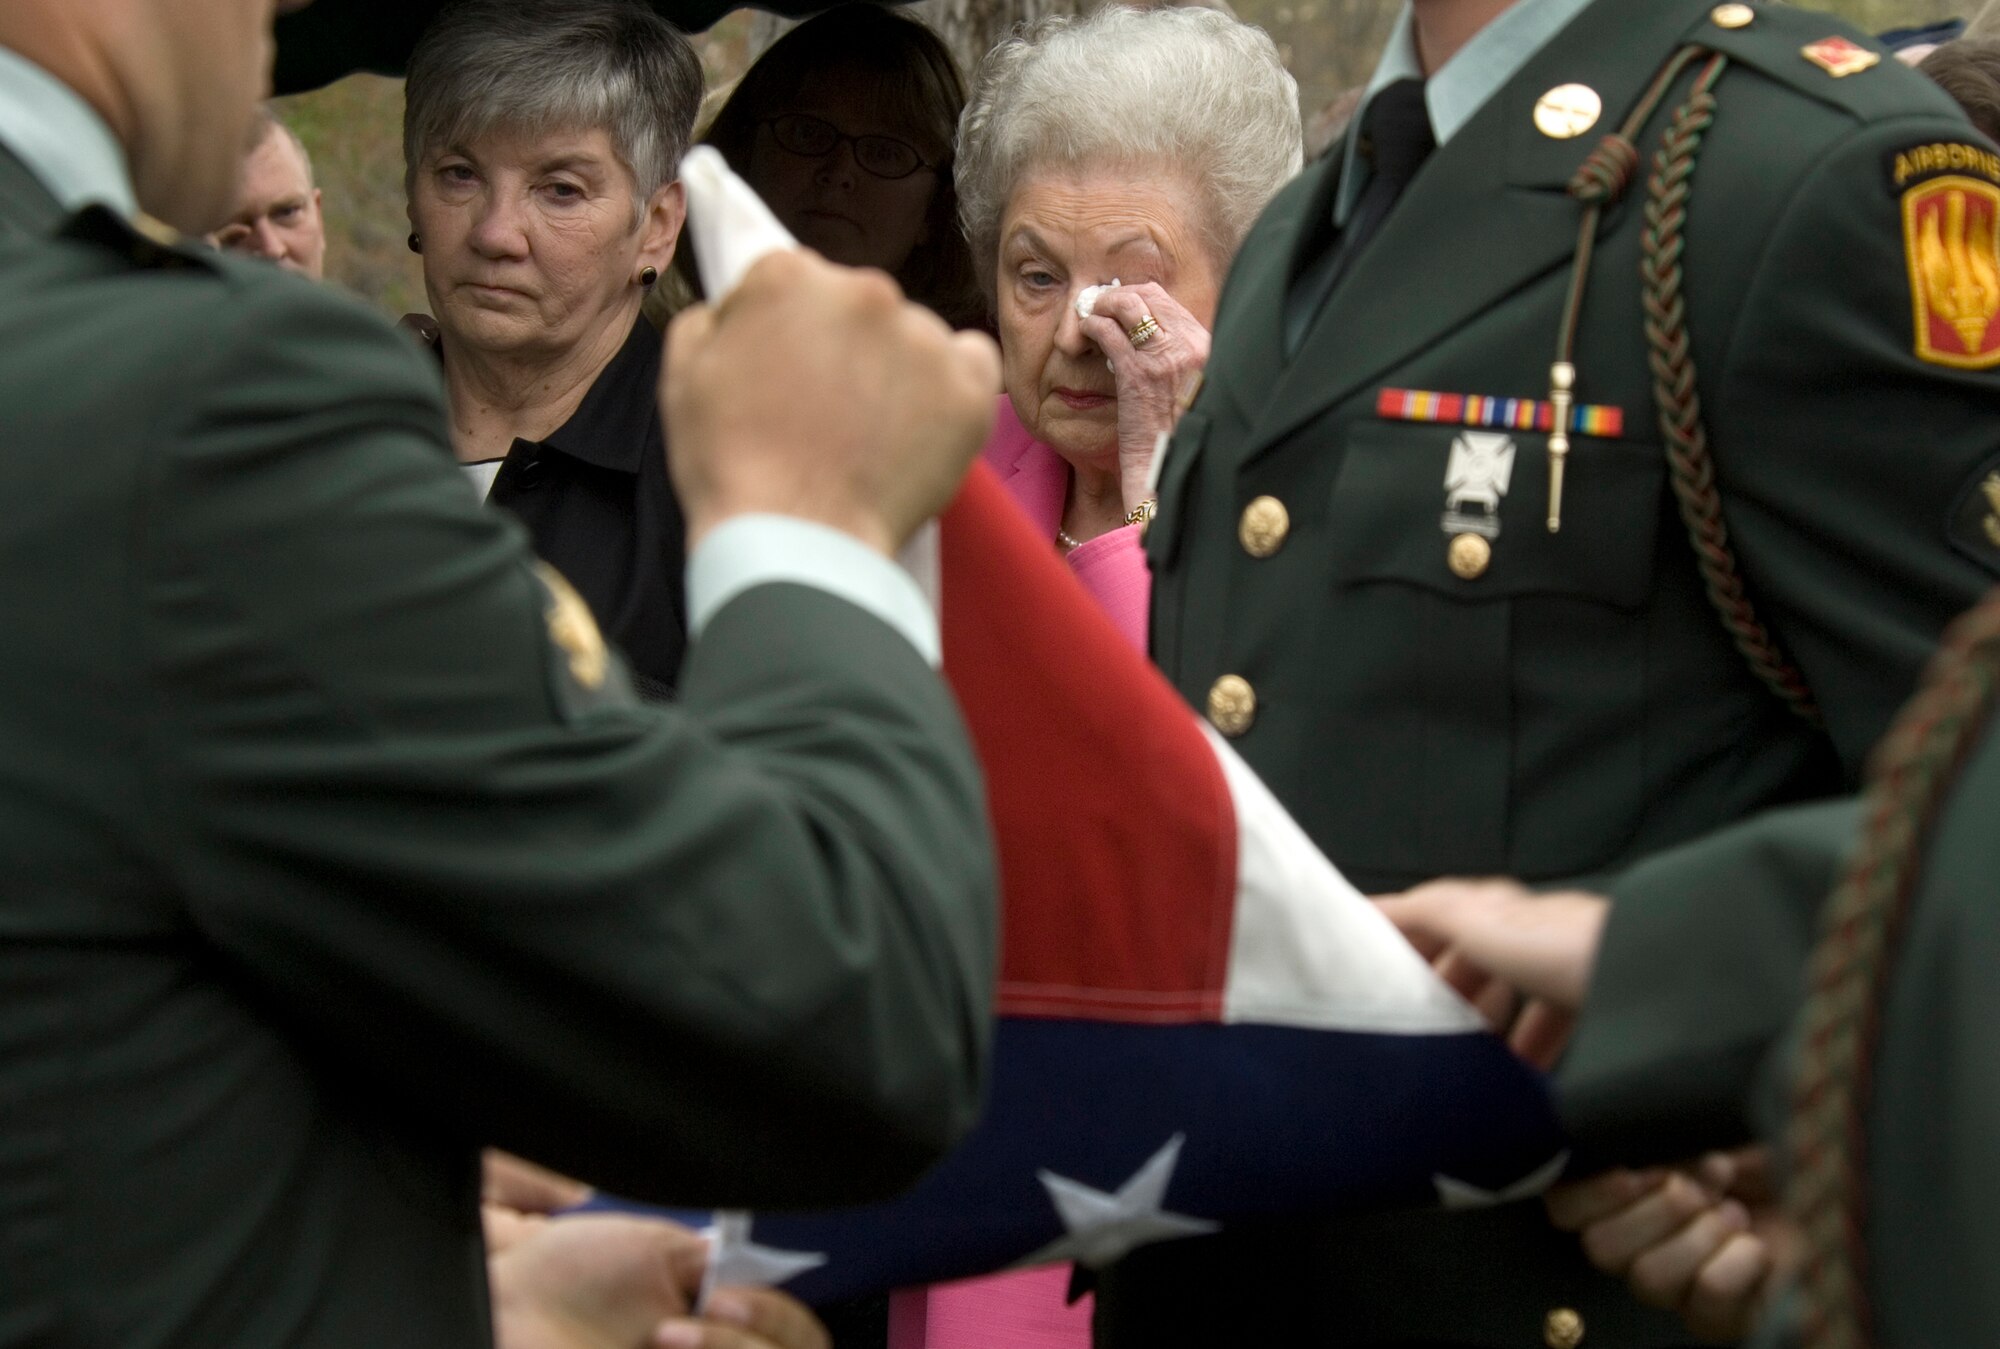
point(739, 950)
point(1848, 461)
point(1690, 1036)
point(1697, 980)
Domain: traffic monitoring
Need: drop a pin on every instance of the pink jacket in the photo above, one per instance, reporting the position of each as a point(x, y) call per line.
point(1028, 1310)
point(1111, 566)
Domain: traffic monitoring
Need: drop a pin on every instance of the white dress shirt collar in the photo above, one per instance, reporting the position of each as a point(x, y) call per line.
point(61, 139)
point(1460, 87)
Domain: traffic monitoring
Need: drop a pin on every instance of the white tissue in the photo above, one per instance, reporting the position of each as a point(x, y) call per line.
point(729, 223)
point(1086, 299)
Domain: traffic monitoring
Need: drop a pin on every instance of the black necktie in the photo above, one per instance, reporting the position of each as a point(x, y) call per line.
point(1395, 140)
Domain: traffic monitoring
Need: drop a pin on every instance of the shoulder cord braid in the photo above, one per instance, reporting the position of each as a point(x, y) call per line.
point(1601, 180)
point(1911, 772)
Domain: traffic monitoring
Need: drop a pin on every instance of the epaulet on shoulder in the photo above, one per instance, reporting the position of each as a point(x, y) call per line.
point(1819, 55)
point(142, 241)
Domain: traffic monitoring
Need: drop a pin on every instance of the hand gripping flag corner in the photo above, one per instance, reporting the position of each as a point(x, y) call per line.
point(1202, 1023)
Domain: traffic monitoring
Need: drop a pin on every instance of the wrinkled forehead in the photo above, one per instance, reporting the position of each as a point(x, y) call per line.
point(1143, 211)
point(273, 170)
point(276, 151)
point(530, 141)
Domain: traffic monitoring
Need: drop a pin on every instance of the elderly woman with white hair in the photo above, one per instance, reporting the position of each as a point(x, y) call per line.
point(1108, 167)
point(540, 143)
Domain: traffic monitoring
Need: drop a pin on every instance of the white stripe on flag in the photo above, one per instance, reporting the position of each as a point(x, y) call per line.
point(1307, 949)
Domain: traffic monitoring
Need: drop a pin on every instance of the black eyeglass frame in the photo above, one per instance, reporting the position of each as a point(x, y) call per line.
point(840, 137)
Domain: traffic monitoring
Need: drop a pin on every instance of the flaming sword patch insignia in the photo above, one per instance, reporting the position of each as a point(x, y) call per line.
point(1951, 236)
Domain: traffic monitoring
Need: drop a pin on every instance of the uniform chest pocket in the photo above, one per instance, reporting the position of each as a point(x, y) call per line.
point(1494, 674)
point(1464, 513)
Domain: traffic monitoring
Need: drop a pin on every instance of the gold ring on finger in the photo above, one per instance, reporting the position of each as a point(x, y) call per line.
point(1145, 331)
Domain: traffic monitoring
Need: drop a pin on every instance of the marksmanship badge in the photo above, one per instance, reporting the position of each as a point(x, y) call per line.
point(1951, 235)
point(1475, 479)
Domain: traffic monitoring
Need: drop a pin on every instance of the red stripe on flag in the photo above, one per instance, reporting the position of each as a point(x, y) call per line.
point(1115, 828)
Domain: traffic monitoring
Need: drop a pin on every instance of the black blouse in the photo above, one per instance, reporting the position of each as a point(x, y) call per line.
point(596, 498)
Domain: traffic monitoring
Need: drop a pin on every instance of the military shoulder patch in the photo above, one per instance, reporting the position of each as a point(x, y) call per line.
point(584, 675)
point(1974, 528)
point(572, 629)
point(1951, 239)
point(1933, 159)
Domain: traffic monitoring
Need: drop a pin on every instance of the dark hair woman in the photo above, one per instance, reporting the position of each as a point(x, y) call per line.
point(846, 128)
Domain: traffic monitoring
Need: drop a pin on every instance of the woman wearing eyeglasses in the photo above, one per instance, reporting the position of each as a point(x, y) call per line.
point(845, 127)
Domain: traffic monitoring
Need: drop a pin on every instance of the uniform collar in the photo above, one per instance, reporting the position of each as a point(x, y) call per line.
point(1462, 85)
point(618, 420)
point(61, 140)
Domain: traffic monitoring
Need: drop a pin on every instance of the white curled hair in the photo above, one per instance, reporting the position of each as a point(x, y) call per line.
point(1189, 88)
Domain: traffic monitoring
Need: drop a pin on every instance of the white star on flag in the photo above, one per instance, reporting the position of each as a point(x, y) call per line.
point(1101, 1228)
point(1457, 1194)
point(733, 1258)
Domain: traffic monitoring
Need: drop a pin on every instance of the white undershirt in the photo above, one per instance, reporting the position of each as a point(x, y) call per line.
point(482, 475)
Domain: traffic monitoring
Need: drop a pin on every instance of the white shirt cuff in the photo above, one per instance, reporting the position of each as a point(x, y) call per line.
point(753, 550)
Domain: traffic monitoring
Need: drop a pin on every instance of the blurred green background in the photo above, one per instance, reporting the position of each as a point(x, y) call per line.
point(353, 128)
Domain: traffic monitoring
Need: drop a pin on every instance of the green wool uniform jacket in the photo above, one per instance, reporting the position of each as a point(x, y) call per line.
point(335, 847)
point(1572, 702)
point(1683, 1040)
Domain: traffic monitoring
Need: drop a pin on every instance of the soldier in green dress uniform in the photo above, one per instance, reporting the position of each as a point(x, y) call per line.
point(335, 844)
point(1867, 930)
point(1593, 448)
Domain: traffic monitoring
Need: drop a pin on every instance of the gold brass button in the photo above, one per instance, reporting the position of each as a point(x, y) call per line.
point(1562, 1329)
point(1468, 556)
point(1232, 705)
point(1567, 111)
point(1263, 526)
point(1731, 15)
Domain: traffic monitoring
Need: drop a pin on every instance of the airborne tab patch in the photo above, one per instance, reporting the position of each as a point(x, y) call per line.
point(1951, 237)
point(1913, 165)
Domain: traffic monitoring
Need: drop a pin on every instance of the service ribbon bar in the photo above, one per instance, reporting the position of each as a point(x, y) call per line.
point(1516, 414)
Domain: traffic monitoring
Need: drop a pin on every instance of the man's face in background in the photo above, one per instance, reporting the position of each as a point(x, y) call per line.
point(277, 215)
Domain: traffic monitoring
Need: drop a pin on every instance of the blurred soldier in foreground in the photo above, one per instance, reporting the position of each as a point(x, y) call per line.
point(277, 215)
point(1886, 1091)
point(336, 844)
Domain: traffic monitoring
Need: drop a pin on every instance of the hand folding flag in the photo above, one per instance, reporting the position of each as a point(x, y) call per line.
point(1201, 1021)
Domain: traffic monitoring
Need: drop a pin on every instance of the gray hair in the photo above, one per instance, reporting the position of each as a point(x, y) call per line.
point(1190, 88)
point(537, 66)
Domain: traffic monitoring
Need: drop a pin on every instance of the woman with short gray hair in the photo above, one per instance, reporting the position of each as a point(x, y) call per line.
point(540, 142)
point(555, 65)
point(1108, 168)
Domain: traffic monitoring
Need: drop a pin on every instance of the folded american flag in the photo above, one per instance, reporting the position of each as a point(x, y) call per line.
point(1201, 1021)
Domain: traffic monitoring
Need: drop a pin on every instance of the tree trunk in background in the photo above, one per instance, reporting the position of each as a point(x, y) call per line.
point(351, 128)
point(971, 28)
